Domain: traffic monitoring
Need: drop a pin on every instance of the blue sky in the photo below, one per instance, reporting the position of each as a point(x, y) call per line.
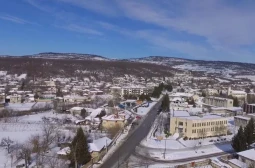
point(211, 29)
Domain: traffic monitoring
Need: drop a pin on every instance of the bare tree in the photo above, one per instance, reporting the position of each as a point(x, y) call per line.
point(23, 152)
point(50, 134)
point(36, 143)
point(220, 130)
point(7, 142)
point(113, 131)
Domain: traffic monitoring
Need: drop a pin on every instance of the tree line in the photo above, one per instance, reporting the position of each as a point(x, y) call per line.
point(244, 137)
point(158, 89)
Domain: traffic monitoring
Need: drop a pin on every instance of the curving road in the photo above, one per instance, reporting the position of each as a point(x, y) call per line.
point(134, 139)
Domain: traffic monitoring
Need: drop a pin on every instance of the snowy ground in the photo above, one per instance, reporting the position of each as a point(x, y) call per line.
point(22, 128)
point(251, 77)
point(26, 106)
point(18, 133)
point(186, 152)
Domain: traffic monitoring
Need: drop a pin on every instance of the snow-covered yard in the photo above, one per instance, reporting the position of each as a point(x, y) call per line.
point(189, 152)
point(23, 128)
point(27, 106)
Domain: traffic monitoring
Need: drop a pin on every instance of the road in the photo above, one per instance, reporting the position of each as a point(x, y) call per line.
point(128, 147)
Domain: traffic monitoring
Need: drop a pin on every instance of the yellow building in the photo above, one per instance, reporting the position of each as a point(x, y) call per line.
point(218, 101)
point(198, 126)
point(113, 120)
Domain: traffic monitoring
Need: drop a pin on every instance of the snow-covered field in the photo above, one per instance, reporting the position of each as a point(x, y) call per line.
point(27, 106)
point(18, 133)
point(251, 77)
point(23, 128)
point(173, 155)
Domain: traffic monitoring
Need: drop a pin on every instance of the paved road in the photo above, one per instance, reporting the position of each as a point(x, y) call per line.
point(128, 147)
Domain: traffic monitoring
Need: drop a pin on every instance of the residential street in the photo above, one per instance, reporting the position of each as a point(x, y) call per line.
point(128, 147)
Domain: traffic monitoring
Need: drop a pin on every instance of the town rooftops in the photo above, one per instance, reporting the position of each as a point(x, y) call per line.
point(249, 154)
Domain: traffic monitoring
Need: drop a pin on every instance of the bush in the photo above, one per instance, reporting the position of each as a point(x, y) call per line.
point(185, 138)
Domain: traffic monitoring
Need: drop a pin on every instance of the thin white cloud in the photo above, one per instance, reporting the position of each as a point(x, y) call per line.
point(38, 4)
point(105, 7)
point(15, 19)
point(224, 29)
point(81, 29)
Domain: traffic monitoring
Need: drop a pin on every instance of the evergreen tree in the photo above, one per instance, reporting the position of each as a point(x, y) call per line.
point(249, 132)
point(203, 94)
point(79, 154)
point(148, 98)
point(59, 93)
point(239, 141)
point(83, 113)
point(110, 103)
point(142, 97)
point(169, 87)
point(165, 103)
point(235, 102)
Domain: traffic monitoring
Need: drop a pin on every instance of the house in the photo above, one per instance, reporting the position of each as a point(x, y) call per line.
point(95, 148)
point(98, 145)
point(76, 110)
point(113, 120)
point(15, 98)
point(197, 126)
point(74, 98)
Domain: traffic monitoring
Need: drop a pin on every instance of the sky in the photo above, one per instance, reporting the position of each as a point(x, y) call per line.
point(205, 29)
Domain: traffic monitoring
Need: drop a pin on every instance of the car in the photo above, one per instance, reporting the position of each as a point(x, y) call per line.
point(211, 140)
point(138, 117)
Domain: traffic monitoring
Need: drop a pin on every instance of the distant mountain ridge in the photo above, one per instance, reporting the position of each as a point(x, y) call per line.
point(75, 56)
point(224, 68)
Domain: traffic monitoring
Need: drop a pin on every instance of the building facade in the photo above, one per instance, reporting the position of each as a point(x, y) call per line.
point(135, 90)
point(218, 102)
point(199, 127)
point(249, 108)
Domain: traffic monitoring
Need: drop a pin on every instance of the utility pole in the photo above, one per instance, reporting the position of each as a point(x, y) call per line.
point(165, 150)
point(106, 146)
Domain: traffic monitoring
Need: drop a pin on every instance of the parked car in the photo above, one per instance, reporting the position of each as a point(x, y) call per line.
point(138, 117)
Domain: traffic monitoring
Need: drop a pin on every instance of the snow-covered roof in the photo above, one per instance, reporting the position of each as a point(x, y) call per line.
point(249, 154)
point(64, 151)
point(242, 117)
point(181, 114)
point(99, 144)
point(112, 117)
point(95, 112)
point(238, 163)
point(238, 92)
point(77, 108)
